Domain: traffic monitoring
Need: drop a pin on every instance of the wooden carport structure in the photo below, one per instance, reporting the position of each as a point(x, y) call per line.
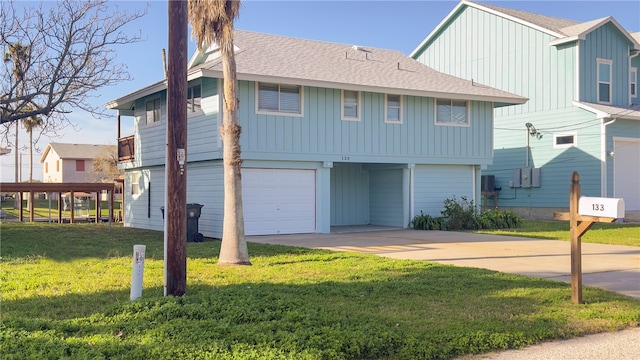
point(60, 188)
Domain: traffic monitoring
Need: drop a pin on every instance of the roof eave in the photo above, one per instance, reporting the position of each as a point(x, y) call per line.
point(512, 100)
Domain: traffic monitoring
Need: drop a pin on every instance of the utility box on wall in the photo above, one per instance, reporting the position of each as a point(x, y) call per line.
point(526, 177)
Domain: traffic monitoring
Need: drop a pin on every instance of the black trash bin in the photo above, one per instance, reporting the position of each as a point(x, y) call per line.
point(193, 214)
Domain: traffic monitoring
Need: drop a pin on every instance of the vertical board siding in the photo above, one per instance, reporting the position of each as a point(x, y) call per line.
point(605, 42)
point(321, 132)
point(435, 183)
point(386, 200)
point(505, 55)
point(349, 195)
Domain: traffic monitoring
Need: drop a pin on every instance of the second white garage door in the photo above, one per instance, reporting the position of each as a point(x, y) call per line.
point(626, 176)
point(278, 201)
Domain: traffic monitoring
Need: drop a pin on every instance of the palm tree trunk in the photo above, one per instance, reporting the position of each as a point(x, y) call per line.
point(233, 250)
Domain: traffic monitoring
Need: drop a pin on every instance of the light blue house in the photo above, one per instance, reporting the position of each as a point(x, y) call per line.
point(332, 135)
point(583, 112)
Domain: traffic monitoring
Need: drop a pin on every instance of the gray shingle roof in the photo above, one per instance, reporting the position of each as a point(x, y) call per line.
point(548, 22)
point(77, 151)
point(309, 62)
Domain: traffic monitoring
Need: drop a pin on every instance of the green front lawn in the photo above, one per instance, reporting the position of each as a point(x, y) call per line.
point(42, 209)
point(602, 233)
point(65, 294)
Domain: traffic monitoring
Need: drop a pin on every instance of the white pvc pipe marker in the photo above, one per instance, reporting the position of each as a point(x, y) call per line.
point(138, 271)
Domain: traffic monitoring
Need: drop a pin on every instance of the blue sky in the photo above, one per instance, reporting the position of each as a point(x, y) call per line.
point(399, 25)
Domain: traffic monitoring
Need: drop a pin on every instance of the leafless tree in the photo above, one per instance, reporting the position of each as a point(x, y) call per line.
point(67, 51)
point(105, 166)
point(212, 23)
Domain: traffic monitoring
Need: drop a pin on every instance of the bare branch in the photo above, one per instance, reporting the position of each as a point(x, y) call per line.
point(70, 53)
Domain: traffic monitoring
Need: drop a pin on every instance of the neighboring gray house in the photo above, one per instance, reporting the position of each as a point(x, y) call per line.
point(583, 113)
point(332, 135)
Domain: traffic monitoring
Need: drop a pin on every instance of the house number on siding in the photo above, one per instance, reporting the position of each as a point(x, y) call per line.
point(345, 158)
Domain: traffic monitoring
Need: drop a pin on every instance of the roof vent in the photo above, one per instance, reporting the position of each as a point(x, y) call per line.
point(357, 48)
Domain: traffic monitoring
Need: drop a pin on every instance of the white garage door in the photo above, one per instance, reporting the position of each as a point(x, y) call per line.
point(626, 174)
point(278, 201)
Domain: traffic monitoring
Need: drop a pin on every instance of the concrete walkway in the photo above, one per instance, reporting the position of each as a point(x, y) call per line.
point(611, 267)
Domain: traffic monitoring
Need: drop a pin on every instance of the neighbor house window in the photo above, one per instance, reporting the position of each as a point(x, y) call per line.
point(451, 112)
point(46, 167)
point(57, 165)
point(564, 140)
point(604, 80)
point(393, 109)
point(153, 110)
point(135, 183)
point(350, 105)
point(633, 82)
point(79, 165)
point(279, 98)
point(194, 97)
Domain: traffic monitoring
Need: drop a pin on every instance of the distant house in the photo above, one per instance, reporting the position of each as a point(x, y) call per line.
point(69, 163)
point(583, 113)
point(332, 135)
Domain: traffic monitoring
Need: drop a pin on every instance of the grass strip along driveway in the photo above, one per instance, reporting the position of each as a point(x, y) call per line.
point(65, 294)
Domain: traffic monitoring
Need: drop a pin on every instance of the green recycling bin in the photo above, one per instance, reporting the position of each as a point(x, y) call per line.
point(193, 214)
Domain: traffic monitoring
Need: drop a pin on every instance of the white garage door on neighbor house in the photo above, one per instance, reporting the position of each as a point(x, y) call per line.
point(626, 163)
point(279, 201)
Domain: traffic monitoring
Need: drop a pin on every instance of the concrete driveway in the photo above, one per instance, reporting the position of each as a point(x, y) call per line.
point(611, 267)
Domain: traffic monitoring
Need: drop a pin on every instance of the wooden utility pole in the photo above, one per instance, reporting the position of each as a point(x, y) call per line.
point(176, 161)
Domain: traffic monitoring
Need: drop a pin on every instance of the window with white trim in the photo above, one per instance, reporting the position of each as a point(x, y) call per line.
point(194, 98)
point(393, 109)
point(565, 140)
point(633, 82)
point(350, 105)
point(604, 75)
point(135, 183)
point(152, 109)
point(279, 98)
point(452, 112)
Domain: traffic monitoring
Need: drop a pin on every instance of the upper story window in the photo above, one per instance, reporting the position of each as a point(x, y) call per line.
point(393, 109)
point(565, 140)
point(153, 110)
point(57, 165)
point(194, 98)
point(604, 80)
point(452, 112)
point(633, 82)
point(350, 105)
point(279, 98)
point(79, 165)
point(46, 167)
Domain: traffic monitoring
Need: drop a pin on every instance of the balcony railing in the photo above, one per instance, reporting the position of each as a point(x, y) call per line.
point(126, 148)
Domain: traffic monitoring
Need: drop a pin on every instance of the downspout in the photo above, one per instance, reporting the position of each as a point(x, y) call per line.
point(603, 155)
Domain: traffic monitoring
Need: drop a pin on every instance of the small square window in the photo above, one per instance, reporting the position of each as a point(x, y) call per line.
point(393, 109)
point(79, 165)
point(194, 98)
point(350, 105)
point(153, 111)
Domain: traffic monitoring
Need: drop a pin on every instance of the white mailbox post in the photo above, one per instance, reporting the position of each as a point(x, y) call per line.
point(601, 207)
